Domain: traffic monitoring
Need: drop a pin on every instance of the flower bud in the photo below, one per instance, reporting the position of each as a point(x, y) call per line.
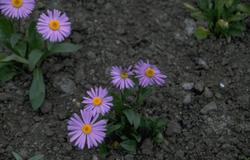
point(223, 24)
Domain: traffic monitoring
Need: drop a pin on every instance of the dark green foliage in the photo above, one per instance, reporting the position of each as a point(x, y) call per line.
point(29, 50)
point(222, 16)
point(128, 127)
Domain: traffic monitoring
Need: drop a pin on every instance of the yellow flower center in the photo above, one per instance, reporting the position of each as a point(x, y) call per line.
point(150, 72)
point(17, 3)
point(124, 74)
point(86, 129)
point(54, 24)
point(97, 101)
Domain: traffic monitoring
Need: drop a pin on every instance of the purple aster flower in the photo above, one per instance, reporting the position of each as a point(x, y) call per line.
point(120, 77)
point(17, 8)
point(87, 130)
point(98, 102)
point(148, 74)
point(54, 26)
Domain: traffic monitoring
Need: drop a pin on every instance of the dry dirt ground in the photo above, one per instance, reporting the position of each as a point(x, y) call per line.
point(205, 97)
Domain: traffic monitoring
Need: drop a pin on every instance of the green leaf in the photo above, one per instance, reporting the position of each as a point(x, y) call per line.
point(137, 120)
point(36, 157)
point(37, 89)
point(2, 56)
point(4, 34)
point(220, 4)
point(137, 137)
point(229, 3)
point(50, 44)
point(14, 39)
point(233, 6)
point(198, 15)
point(5, 25)
point(65, 47)
point(160, 125)
point(236, 32)
point(243, 8)
point(158, 138)
point(130, 115)
point(228, 39)
point(35, 55)
point(62, 47)
point(7, 44)
point(240, 26)
point(14, 57)
point(124, 138)
point(146, 127)
point(190, 6)
point(237, 17)
point(103, 150)
point(202, 4)
point(200, 33)
point(5, 64)
point(117, 103)
point(16, 156)
point(112, 128)
point(129, 146)
point(22, 48)
point(35, 39)
point(144, 93)
point(6, 74)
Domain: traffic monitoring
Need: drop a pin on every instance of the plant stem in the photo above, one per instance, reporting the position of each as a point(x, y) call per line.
point(121, 98)
point(11, 27)
point(19, 24)
point(137, 96)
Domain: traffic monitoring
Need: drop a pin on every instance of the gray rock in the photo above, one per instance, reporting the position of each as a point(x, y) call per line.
point(120, 31)
point(190, 26)
point(64, 84)
point(25, 129)
point(247, 127)
point(187, 99)
point(77, 37)
point(159, 155)
point(147, 147)
point(49, 133)
point(226, 147)
point(91, 55)
point(199, 86)
point(202, 63)
point(5, 97)
point(94, 157)
point(179, 154)
point(188, 86)
point(79, 75)
point(108, 6)
point(173, 128)
point(129, 157)
point(191, 145)
point(248, 70)
point(56, 67)
point(207, 93)
point(131, 51)
point(218, 95)
point(46, 107)
point(10, 86)
point(100, 1)
point(209, 107)
point(24, 153)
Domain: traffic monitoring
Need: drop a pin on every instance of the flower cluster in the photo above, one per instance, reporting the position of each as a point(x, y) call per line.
point(53, 27)
point(148, 75)
point(86, 130)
